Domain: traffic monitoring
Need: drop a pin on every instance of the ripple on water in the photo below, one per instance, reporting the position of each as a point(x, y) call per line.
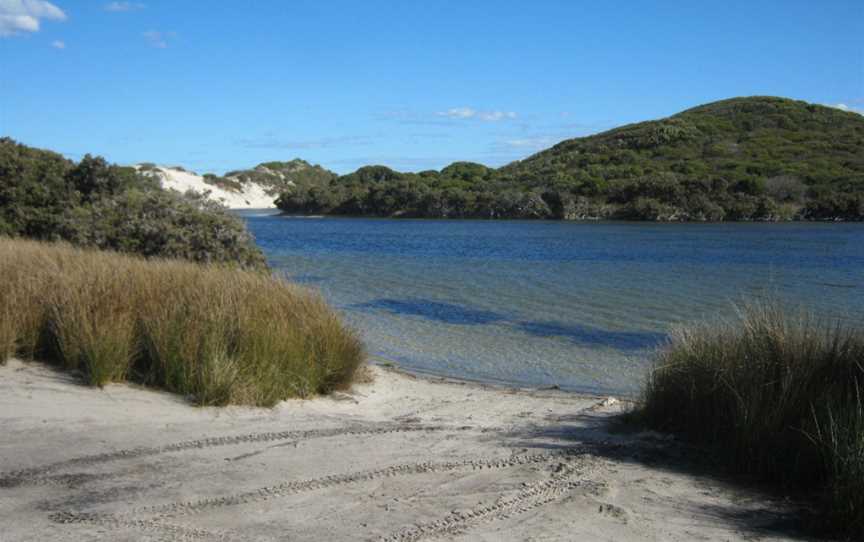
point(540, 303)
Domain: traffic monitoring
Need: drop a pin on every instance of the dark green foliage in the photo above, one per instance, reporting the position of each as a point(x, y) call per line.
point(93, 203)
point(756, 158)
point(778, 394)
point(223, 182)
point(278, 177)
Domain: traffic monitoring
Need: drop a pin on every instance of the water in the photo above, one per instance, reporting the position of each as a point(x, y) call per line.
point(577, 305)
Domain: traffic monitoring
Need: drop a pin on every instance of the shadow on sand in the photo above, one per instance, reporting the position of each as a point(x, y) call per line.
point(755, 512)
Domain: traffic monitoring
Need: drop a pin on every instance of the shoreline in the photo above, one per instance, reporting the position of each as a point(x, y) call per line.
point(401, 457)
point(583, 220)
point(493, 385)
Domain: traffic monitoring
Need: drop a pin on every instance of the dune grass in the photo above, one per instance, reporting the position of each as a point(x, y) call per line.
point(779, 394)
point(216, 333)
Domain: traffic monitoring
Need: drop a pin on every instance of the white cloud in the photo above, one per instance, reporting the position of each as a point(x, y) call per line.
point(540, 142)
point(158, 39)
point(123, 6)
point(58, 44)
point(496, 115)
point(458, 113)
point(844, 107)
point(17, 16)
point(470, 113)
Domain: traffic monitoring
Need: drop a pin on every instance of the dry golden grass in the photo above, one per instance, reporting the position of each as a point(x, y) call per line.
point(219, 334)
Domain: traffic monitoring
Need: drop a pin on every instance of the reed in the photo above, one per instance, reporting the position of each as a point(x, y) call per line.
point(778, 394)
point(216, 333)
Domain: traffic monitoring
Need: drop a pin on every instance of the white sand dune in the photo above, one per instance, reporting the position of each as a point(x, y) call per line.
point(398, 459)
point(253, 196)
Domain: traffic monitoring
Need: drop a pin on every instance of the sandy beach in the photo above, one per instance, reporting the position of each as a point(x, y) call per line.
point(397, 458)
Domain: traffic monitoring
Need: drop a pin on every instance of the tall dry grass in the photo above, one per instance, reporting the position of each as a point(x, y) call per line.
point(219, 334)
point(778, 394)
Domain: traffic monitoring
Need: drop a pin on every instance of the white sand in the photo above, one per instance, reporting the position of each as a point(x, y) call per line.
point(253, 196)
point(399, 459)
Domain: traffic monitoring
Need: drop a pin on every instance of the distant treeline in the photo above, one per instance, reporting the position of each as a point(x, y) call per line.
point(742, 159)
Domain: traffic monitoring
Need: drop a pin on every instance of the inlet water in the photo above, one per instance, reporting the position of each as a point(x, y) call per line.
point(575, 305)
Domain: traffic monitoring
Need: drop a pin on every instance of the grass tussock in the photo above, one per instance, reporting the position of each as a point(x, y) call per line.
point(779, 395)
point(219, 334)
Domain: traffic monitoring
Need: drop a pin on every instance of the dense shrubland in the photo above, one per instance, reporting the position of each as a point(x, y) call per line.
point(779, 395)
point(276, 177)
point(96, 204)
point(216, 333)
point(739, 159)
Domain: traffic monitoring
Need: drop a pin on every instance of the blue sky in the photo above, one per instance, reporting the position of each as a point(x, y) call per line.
point(412, 84)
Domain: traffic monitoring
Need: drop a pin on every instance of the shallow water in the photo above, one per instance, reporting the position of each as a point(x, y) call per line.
point(577, 305)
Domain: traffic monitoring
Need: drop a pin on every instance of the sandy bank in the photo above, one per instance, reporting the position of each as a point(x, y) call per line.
point(253, 196)
point(399, 459)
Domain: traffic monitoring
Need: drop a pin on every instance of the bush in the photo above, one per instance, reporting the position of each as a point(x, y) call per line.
point(778, 395)
point(93, 203)
point(220, 334)
point(163, 224)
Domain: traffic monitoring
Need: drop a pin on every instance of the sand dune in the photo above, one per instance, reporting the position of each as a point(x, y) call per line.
point(397, 459)
point(253, 196)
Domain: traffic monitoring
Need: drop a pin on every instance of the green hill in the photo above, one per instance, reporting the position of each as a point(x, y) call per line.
point(276, 177)
point(758, 158)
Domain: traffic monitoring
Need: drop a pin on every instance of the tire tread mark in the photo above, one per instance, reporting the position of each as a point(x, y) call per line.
point(168, 531)
point(40, 475)
point(532, 496)
point(292, 487)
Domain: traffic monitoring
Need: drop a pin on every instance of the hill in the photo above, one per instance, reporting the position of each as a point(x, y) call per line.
point(255, 188)
point(757, 158)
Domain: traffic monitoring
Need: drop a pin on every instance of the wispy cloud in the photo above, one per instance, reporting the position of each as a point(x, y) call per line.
point(272, 142)
point(58, 44)
point(515, 146)
point(409, 117)
point(19, 16)
point(471, 113)
point(531, 143)
point(158, 39)
point(844, 107)
point(123, 6)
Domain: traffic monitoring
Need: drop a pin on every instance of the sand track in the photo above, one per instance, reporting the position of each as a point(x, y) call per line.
point(406, 459)
point(37, 475)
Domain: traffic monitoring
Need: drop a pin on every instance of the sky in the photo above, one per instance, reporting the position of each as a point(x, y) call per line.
point(411, 84)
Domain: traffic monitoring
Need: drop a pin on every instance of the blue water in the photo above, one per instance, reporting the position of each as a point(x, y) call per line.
point(577, 305)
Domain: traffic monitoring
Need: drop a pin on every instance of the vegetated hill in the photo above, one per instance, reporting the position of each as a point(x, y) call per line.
point(93, 203)
point(758, 158)
point(255, 188)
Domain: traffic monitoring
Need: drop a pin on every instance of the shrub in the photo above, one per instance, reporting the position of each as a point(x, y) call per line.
point(163, 224)
point(93, 203)
point(778, 394)
point(217, 333)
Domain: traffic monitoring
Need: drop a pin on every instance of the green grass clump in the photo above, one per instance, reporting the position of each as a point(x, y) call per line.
point(778, 394)
point(218, 333)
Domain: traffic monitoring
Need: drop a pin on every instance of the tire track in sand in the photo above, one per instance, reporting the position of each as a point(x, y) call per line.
point(41, 475)
point(532, 496)
point(285, 489)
